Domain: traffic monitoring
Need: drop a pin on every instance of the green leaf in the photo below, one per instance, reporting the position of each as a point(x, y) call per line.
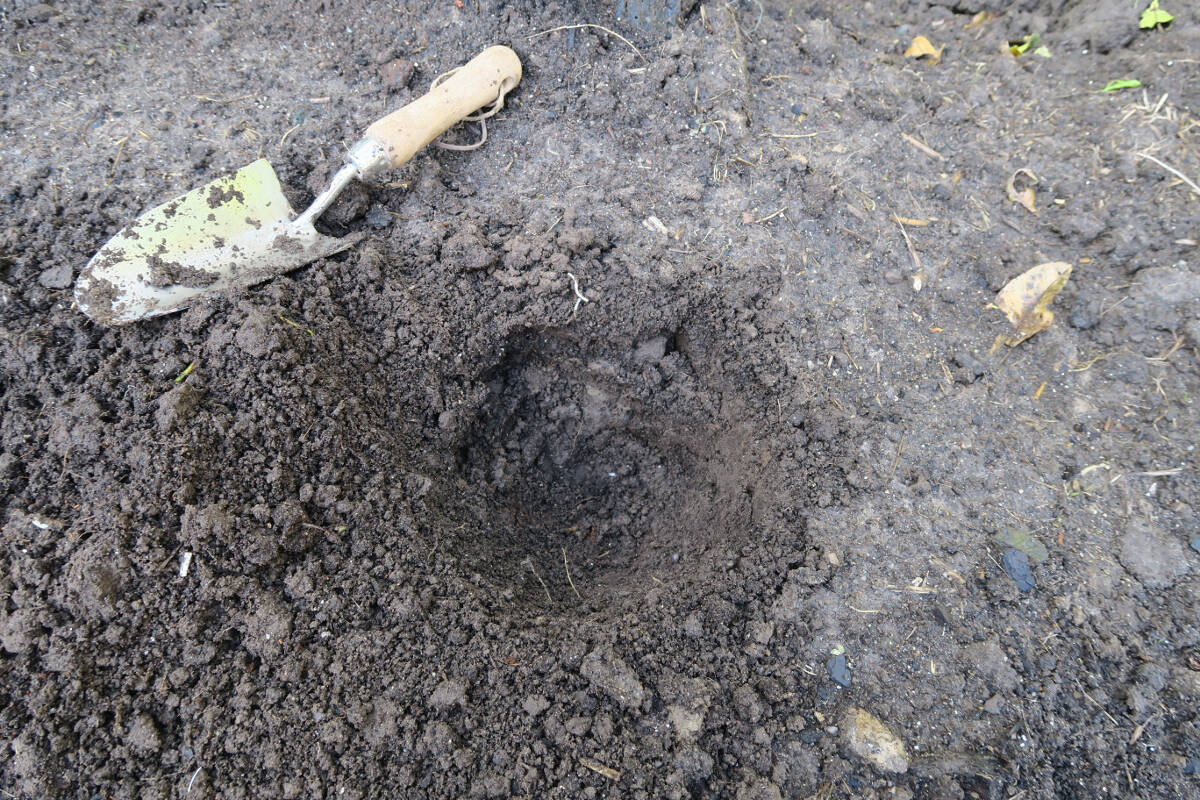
point(1024, 541)
point(1154, 16)
point(1042, 51)
point(1019, 48)
point(1124, 83)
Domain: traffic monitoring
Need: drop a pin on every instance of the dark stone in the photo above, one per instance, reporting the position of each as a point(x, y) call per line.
point(1016, 563)
point(839, 670)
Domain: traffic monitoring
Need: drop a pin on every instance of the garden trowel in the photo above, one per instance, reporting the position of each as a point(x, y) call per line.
point(240, 229)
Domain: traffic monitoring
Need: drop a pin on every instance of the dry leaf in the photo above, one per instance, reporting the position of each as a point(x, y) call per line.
point(1023, 196)
point(979, 19)
point(923, 47)
point(1025, 300)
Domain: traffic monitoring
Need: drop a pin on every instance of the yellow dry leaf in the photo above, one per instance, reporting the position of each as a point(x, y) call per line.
point(923, 47)
point(979, 19)
point(1023, 196)
point(1025, 300)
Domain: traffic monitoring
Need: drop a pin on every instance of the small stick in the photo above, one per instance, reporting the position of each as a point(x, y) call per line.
point(896, 463)
point(770, 216)
point(609, 31)
point(912, 251)
point(924, 148)
point(568, 569)
point(290, 131)
point(1103, 711)
point(1191, 184)
point(545, 588)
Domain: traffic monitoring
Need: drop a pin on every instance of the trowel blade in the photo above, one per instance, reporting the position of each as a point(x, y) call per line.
point(231, 233)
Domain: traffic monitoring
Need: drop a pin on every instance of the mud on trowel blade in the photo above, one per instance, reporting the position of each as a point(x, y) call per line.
point(234, 232)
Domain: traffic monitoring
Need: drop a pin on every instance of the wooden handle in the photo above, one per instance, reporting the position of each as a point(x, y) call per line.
point(472, 86)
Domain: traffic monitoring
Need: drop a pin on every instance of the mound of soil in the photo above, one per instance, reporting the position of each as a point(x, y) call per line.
point(764, 516)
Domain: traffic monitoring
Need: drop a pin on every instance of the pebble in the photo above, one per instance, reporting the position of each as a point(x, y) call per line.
point(1016, 563)
point(378, 217)
point(797, 109)
point(893, 276)
point(396, 73)
point(56, 277)
point(839, 670)
point(1196, 542)
point(870, 740)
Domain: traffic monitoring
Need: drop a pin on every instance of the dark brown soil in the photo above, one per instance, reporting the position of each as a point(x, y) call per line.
point(453, 534)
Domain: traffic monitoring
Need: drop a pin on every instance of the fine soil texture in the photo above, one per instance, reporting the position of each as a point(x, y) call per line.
point(767, 516)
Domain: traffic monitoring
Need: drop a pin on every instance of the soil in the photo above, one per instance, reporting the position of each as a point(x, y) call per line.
point(765, 517)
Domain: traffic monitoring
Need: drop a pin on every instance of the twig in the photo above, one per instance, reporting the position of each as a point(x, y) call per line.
point(1191, 184)
point(545, 588)
point(609, 31)
point(770, 216)
point(924, 148)
point(912, 251)
point(568, 569)
point(896, 462)
point(290, 131)
point(597, 767)
point(1103, 710)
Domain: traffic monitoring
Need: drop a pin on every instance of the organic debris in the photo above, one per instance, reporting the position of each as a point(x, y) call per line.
point(1025, 542)
point(1023, 196)
point(979, 20)
point(1124, 83)
point(922, 47)
point(1032, 41)
point(1154, 16)
point(1025, 300)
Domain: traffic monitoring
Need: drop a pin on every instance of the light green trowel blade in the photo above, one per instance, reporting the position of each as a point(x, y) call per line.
point(233, 232)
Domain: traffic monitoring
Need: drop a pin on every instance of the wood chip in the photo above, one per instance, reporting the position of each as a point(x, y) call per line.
point(596, 766)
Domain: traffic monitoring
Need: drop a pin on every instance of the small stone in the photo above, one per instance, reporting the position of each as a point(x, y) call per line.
point(968, 361)
point(605, 670)
point(1018, 566)
point(797, 109)
point(839, 670)
point(56, 277)
point(989, 660)
point(762, 632)
point(378, 217)
point(1195, 542)
point(396, 73)
point(761, 789)
point(449, 694)
point(143, 734)
point(870, 740)
point(1152, 554)
point(535, 704)
point(994, 704)
point(893, 276)
point(686, 722)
